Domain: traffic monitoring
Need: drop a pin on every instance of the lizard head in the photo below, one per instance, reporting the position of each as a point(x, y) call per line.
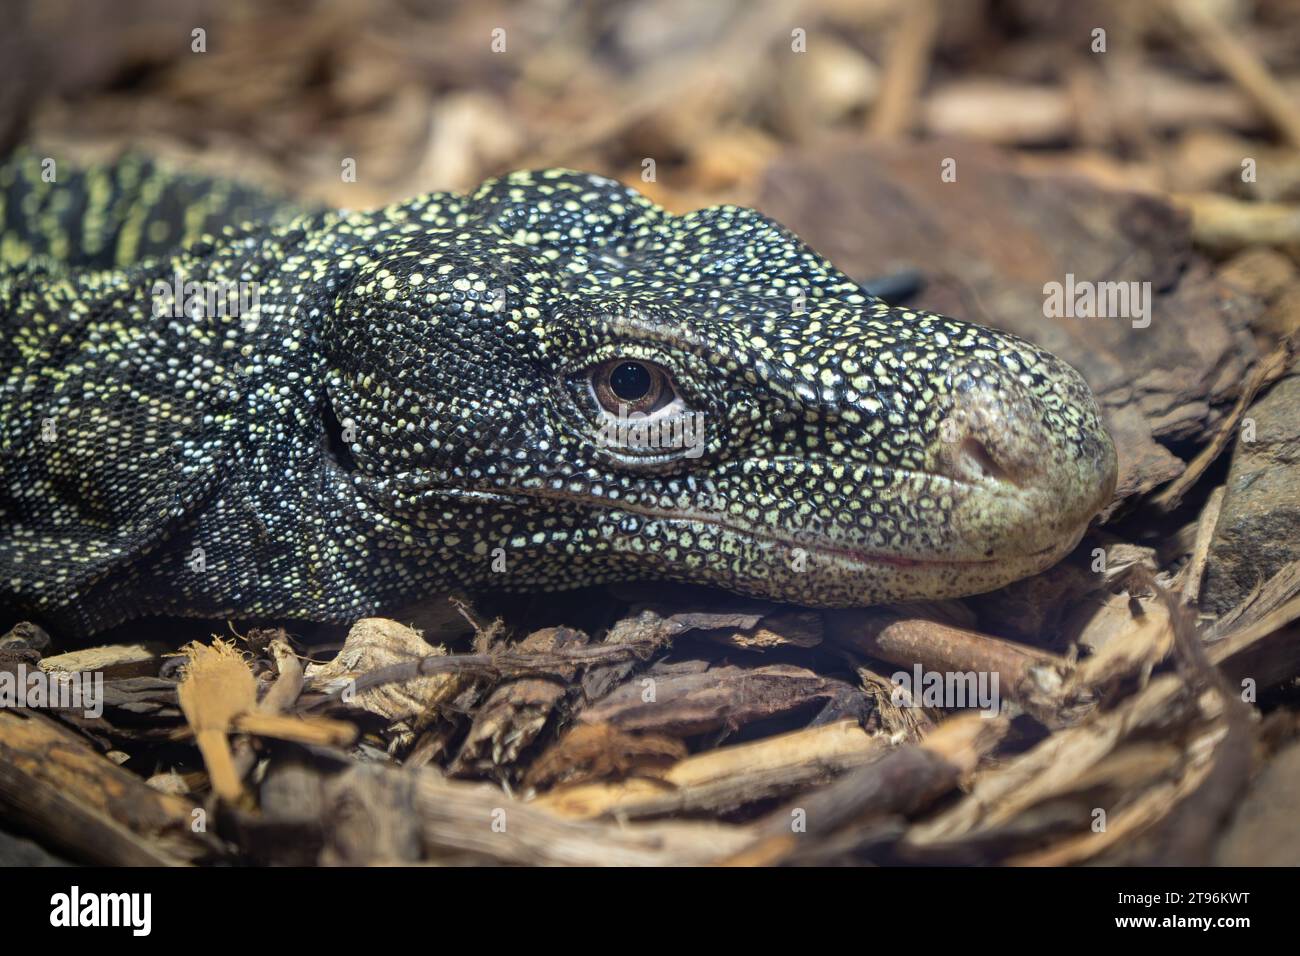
point(553, 382)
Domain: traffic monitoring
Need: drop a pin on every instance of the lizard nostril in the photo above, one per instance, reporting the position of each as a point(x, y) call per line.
point(996, 429)
point(971, 459)
point(976, 461)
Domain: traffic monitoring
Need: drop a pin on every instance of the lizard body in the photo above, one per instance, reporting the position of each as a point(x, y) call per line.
point(445, 392)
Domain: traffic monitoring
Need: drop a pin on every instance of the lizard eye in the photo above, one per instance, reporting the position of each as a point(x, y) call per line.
point(630, 384)
point(634, 413)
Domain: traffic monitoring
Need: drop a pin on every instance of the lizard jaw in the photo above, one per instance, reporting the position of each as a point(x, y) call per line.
point(796, 566)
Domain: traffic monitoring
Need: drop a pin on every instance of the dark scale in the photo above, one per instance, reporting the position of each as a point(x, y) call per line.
point(421, 389)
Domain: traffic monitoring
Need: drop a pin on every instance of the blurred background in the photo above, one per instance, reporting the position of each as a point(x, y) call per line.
point(438, 95)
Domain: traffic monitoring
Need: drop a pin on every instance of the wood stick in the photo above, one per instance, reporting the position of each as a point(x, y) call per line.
point(479, 822)
point(1205, 525)
point(1223, 224)
point(906, 65)
point(1267, 370)
point(903, 782)
point(53, 783)
point(1240, 64)
point(1029, 676)
point(1001, 111)
point(728, 777)
point(284, 693)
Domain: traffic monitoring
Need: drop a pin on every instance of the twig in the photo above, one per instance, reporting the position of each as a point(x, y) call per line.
point(1029, 676)
point(729, 777)
point(1205, 526)
point(1271, 367)
point(502, 664)
point(906, 66)
point(904, 782)
point(55, 785)
point(1240, 64)
point(1224, 224)
point(1191, 825)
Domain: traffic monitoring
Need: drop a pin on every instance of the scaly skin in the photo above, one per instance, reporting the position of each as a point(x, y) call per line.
point(416, 404)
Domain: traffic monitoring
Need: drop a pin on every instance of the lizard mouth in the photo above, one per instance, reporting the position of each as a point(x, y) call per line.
point(991, 532)
point(852, 555)
point(821, 546)
point(840, 552)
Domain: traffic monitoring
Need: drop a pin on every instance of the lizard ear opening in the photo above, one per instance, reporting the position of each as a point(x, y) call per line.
point(336, 444)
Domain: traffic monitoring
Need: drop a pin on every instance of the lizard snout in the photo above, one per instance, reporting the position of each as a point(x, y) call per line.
point(1037, 461)
point(994, 430)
